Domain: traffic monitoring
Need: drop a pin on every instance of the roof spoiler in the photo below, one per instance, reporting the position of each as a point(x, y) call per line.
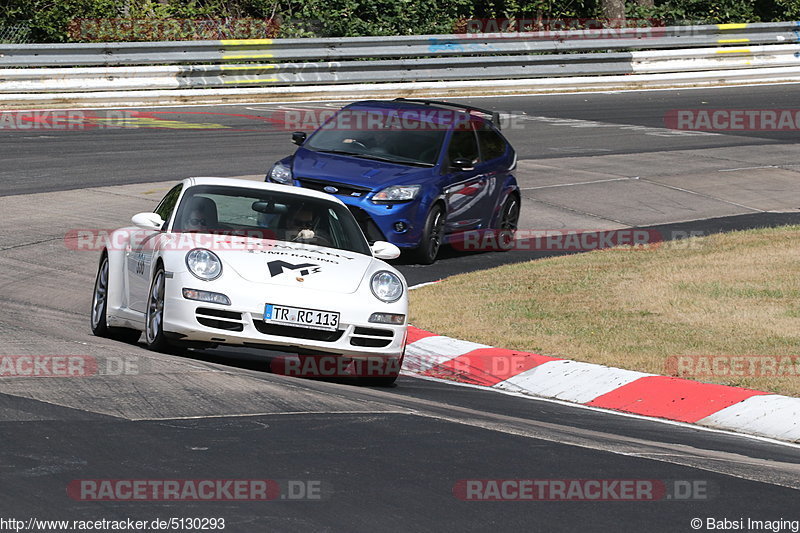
point(494, 116)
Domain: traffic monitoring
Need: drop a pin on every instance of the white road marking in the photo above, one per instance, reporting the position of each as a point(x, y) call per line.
point(418, 285)
point(580, 123)
point(577, 183)
point(745, 168)
point(673, 187)
point(282, 413)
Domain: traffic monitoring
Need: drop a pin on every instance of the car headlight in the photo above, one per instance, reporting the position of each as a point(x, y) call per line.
point(396, 193)
point(204, 264)
point(386, 286)
point(281, 173)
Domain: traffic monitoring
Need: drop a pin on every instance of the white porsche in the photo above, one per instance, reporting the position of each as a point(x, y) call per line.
point(234, 262)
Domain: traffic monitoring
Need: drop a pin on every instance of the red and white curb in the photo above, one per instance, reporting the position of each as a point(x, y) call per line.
point(717, 406)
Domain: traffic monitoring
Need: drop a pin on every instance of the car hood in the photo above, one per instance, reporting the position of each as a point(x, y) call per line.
point(352, 170)
point(291, 264)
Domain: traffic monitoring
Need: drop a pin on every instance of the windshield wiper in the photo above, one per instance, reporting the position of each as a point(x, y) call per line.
point(338, 152)
point(390, 160)
point(377, 158)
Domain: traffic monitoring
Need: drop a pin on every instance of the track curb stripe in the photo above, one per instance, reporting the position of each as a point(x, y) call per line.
point(487, 366)
point(718, 406)
point(673, 398)
point(571, 381)
point(768, 415)
point(415, 334)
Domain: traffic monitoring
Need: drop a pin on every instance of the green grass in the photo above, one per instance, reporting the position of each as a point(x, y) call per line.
point(728, 294)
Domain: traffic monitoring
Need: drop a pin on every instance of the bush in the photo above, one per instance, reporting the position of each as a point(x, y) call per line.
point(717, 11)
point(61, 20)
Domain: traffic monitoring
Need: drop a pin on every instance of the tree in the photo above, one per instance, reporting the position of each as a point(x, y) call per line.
point(613, 9)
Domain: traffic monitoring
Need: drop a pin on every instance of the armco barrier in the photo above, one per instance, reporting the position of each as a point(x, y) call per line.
point(222, 70)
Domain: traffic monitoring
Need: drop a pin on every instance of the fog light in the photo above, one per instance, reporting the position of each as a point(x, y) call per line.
point(400, 226)
point(206, 296)
point(387, 318)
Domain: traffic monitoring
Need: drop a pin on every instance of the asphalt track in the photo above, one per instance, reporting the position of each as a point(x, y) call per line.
point(387, 458)
point(51, 159)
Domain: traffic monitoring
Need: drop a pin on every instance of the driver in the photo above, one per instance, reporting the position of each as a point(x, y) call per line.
point(304, 225)
point(301, 224)
point(201, 215)
point(196, 221)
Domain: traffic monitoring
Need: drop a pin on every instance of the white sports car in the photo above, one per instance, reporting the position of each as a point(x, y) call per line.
point(236, 262)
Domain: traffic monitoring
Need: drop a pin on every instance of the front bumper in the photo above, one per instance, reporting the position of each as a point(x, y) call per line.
point(242, 323)
point(379, 221)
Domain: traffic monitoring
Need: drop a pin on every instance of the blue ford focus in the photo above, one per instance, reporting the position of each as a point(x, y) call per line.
point(416, 173)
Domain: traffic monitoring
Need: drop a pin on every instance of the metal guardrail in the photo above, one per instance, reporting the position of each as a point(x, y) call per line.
point(427, 69)
point(63, 68)
point(187, 52)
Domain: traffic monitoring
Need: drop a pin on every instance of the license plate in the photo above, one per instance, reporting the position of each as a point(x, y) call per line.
point(301, 317)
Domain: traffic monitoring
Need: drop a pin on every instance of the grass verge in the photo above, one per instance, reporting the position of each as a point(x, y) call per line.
point(725, 300)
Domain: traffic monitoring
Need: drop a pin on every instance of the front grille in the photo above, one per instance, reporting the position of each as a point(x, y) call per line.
point(222, 319)
point(373, 331)
point(220, 324)
point(343, 189)
point(299, 333)
point(368, 226)
point(371, 337)
point(219, 313)
point(369, 342)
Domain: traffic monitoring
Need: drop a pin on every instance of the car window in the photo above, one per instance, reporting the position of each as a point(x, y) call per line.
point(492, 144)
point(372, 134)
point(269, 214)
point(463, 145)
point(167, 205)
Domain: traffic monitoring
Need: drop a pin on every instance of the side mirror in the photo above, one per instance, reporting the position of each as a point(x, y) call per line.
point(462, 164)
point(385, 250)
point(149, 221)
point(299, 137)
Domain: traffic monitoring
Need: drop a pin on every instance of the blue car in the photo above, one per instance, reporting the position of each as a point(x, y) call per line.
point(416, 173)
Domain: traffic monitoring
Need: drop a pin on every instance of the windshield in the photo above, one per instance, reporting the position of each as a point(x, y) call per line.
point(270, 215)
point(383, 135)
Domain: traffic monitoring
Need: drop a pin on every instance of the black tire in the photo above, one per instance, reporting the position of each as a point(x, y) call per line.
point(432, 234)
point(507, 223)
point(378, 382)
point(154, 317)
point(387, 377)
point(97, 316)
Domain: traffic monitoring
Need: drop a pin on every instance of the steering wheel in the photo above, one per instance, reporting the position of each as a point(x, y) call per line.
point(359, 143)
point(318, 239)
